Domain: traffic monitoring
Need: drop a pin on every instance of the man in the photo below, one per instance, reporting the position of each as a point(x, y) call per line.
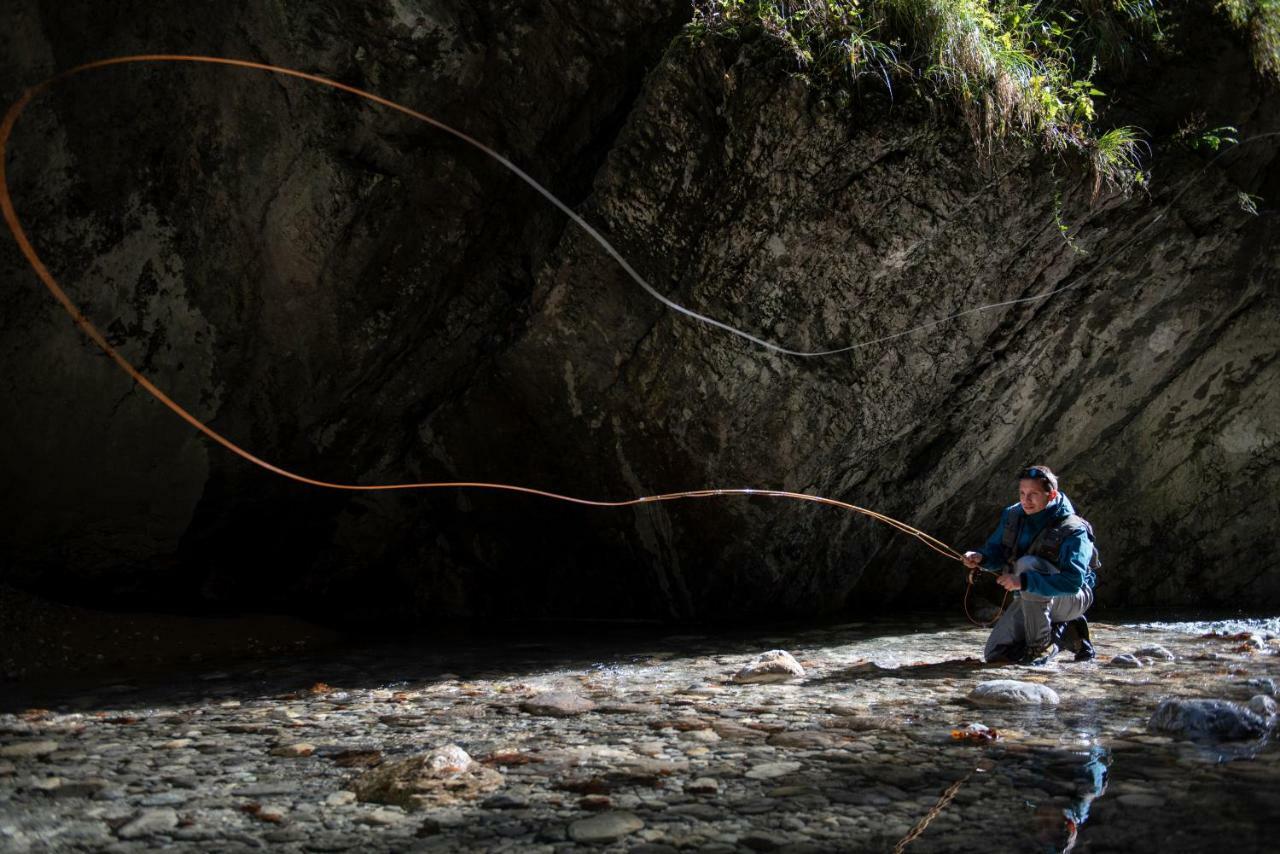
point(1045, 554)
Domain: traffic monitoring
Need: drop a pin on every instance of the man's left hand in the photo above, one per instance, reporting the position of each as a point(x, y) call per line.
point(1009, 581)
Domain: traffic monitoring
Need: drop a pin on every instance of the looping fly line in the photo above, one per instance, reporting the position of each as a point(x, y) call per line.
point(87, 327)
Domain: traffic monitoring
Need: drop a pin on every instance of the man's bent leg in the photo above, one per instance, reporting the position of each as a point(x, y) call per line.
point(1039, 613)
point(1007, 640)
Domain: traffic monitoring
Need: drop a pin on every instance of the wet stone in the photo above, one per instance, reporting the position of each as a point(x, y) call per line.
point(776, 665)
point(557, 705)
point(1154, 652)
point(1125, 660)
point(28, 749)
point(149, 823)
point(607, 827)
point(1221, 719)
point(1011, 692)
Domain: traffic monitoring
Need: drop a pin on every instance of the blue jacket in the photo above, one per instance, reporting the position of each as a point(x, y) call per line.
point(1073, 556)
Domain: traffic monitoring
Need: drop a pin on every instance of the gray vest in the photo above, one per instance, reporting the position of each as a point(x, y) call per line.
point(1049, 541)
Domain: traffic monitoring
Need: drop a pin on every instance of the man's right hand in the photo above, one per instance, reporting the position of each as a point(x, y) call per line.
point(973, 560)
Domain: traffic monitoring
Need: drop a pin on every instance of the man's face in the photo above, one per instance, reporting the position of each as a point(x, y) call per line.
point(1033, 496)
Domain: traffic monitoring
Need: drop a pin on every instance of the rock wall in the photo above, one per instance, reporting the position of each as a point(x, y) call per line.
point(359, 298)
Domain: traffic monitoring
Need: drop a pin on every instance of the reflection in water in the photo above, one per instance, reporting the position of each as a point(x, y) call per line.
point(1059, 786)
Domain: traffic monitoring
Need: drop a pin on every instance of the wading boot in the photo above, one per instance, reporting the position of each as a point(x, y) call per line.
point(1039, 657)
point(1075, 638)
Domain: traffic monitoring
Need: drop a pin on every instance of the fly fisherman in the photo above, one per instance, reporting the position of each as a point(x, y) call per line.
point(1043, 553)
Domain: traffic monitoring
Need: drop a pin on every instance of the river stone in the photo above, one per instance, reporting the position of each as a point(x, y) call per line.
point(606, 827)
point(148, 823)
point(443, 777)
point(1011, 692)
point(557, 704)
point(1154, 652)
point(776, 665)
point(1124, 660)
point(27, 749)
point(1263, 685)
point(769, 770)
point(806, 739)
point(1207, 718)
point(1263, 706)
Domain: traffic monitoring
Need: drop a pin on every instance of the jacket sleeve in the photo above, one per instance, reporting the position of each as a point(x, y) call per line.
point(1073, 563)
point(993, 551)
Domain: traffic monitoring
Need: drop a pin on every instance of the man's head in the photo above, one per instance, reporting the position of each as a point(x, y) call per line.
point(1037, 486)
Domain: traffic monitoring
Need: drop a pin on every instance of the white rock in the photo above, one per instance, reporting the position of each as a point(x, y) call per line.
point(450, 759)
point(340, 798)
point(1011, 692)
point(606, 827)
point(776, 665)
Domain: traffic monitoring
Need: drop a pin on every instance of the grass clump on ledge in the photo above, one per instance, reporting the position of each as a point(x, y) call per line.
point(1016, 70)
point(1260, 21)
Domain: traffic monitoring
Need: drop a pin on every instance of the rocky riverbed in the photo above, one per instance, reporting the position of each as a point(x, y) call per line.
point(652, 745)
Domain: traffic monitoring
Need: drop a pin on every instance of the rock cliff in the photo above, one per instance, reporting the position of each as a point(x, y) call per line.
point(360, 298)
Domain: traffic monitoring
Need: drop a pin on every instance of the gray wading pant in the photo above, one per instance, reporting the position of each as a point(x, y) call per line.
point(1027, 623)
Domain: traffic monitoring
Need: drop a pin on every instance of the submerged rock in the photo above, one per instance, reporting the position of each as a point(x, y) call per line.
point(776, 665)
point(1221, 719)
point(1154, 652)
point(1011, 692)
point(1124, 660)
point(605, 828)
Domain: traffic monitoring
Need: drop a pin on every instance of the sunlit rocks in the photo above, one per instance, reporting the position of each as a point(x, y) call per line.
point(776, 665)
point(442, 777)
point(1221, 719)
point(1011, 692)
point(1153, 653)
point(557, 704)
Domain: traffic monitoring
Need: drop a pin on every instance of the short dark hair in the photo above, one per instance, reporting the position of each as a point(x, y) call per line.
point(1041, 473)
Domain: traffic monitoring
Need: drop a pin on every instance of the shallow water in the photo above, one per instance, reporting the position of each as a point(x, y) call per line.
point(850, 757)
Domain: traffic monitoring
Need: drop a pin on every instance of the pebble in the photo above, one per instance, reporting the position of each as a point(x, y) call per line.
point(28, 749)
point(769, 770)
point(1155, 652)
point(294, 750)
point(607, 827)
point(1125, 660)
point(1011, 692)
point(149, 823)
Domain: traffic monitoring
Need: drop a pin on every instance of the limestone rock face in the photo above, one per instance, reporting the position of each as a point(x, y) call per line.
point(363, 299)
